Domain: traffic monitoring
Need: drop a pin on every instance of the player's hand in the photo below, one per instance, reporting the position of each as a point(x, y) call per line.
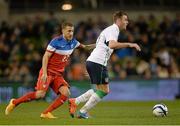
point(44, 78)
point(136, 46)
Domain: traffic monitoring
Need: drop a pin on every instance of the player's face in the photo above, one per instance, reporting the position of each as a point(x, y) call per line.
point(68, 32)
point(123, 22)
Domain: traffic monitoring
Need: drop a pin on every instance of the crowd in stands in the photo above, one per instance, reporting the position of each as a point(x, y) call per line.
point(22, 46)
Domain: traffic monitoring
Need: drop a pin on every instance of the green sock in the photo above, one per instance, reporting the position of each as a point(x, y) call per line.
point(93, 100)
point(100, 93)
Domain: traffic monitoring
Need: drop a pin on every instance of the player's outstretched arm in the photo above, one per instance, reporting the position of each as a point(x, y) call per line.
point(118, 45)
point(88, 47)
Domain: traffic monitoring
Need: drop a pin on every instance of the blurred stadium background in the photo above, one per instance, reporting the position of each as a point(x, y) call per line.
point(26, 26)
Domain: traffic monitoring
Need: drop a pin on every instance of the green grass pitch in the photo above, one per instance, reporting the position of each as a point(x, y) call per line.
point(105, 113)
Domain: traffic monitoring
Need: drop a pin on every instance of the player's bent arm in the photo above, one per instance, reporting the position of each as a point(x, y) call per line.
point(117, 45)
point(45, 60)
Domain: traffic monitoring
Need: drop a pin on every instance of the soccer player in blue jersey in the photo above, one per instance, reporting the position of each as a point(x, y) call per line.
point(96, 65)
point(51, 74)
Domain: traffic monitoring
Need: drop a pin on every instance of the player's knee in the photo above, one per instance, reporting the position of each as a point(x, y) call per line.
point(68, 93)
point(40, 94)
point(65, 91)
point(107, 91)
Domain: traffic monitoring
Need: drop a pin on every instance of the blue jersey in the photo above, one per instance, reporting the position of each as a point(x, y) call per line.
point(61, 49)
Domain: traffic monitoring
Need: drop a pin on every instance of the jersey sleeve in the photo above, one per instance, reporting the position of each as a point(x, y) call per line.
point(51, 46)
point(77, 44)
point(111, 34)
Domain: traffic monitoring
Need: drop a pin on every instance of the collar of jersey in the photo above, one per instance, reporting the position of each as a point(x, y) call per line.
point(116, 26)
point(66, 41)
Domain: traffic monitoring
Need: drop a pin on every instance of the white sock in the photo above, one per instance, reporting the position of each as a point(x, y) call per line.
point(84, 97)
point(93, 100)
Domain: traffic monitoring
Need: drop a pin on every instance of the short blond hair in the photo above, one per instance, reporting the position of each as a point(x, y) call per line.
point(65, 24)
point(118, 14)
